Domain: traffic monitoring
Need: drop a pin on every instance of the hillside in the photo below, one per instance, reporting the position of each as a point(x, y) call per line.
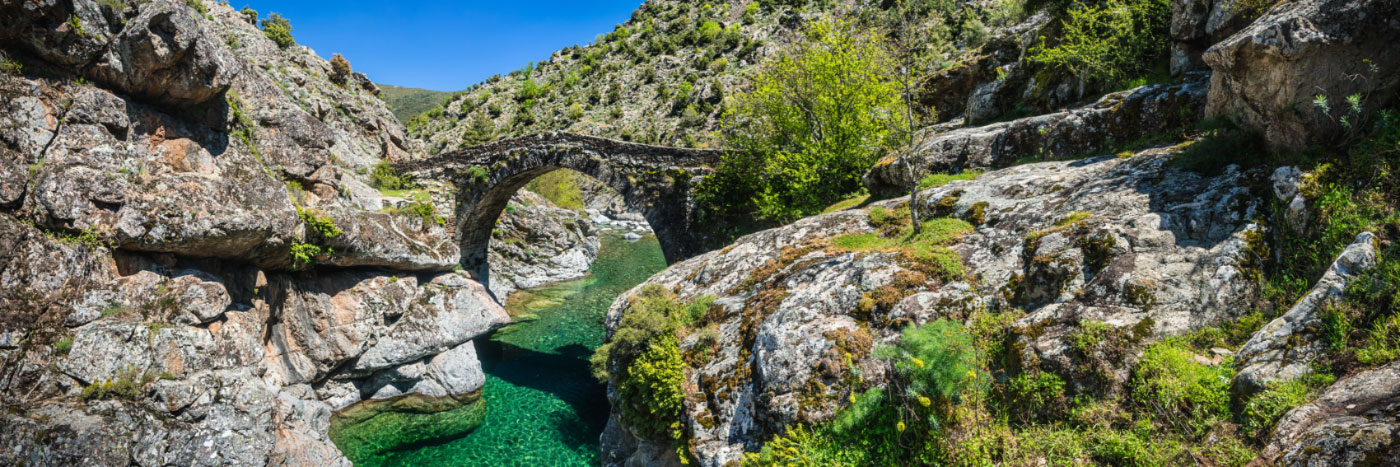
point(662, 76)
point(407, 103)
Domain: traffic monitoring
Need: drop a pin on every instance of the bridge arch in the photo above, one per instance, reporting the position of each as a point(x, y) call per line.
point(655, 181)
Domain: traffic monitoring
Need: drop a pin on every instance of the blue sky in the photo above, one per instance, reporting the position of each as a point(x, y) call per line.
point(443, 45)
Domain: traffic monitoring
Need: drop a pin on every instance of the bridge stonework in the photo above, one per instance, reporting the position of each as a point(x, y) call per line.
point(653, 180)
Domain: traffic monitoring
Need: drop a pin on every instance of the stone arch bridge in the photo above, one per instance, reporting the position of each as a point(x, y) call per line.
point(653, 180)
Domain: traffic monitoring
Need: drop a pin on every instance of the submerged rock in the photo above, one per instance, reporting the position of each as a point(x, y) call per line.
point(427, 400)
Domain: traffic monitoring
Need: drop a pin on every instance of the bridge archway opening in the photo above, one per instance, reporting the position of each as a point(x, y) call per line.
point(654, 181)
point(553, 244)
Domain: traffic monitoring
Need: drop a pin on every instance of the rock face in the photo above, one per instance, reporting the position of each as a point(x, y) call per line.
point(1115, 118)
point(1130, 242)
point(161, 51)
point(1352, 423)
point(997, 79)
point(151, 309)
point(1198, 24)
point(1286, 347)
point(1269, 74)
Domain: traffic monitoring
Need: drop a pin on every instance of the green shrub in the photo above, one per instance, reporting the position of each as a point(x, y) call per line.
point(384, 177)
point(10, 67)
point(811, 123)
point(652, 312)
point(709, 31)
point(1089, 335)
point(798, 446)
point(1034, 396)
point(1110, 40)
point(198, 5)
point(718, 65)
point(529, 91)
point(420, 209)
point(1265, 409)
point(250, 15)
point(129, 384)
point(1006, 12)
point(1374, 298)
point(1382, 343)
point(76, 25)
point(481, 130)
point(1176, 389)
point(62, 346)
point(939, 360)
point(305, 254)
point(322, 227)
point(649, 389)
point(278, 29)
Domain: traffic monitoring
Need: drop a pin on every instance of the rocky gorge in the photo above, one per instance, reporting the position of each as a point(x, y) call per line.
point(203, 261)
point(197, 269)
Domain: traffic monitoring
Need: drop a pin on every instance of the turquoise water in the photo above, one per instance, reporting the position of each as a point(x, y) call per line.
point(543, 405)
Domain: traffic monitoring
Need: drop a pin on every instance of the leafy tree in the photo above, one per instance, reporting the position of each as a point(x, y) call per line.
point(529, 91)
point(914, 49)
point(278, 29)
point(810, 124)
point(1110, 41)
point(482, 130)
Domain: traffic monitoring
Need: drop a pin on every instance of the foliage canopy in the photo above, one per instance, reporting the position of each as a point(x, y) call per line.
point(811, 123)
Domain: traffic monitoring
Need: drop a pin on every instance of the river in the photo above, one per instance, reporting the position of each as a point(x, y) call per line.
point(543, 407)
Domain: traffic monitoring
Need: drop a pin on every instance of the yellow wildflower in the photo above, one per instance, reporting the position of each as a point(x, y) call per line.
point(924, 401)
point(918, 363)
point(899, 426)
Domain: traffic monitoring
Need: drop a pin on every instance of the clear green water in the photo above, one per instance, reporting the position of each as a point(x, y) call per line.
point(543, 407)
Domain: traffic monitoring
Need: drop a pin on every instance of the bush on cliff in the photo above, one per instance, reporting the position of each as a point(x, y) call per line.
point(340, 69)
point(278, 29)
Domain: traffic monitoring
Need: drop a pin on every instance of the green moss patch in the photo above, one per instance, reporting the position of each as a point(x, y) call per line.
point(926, 251)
